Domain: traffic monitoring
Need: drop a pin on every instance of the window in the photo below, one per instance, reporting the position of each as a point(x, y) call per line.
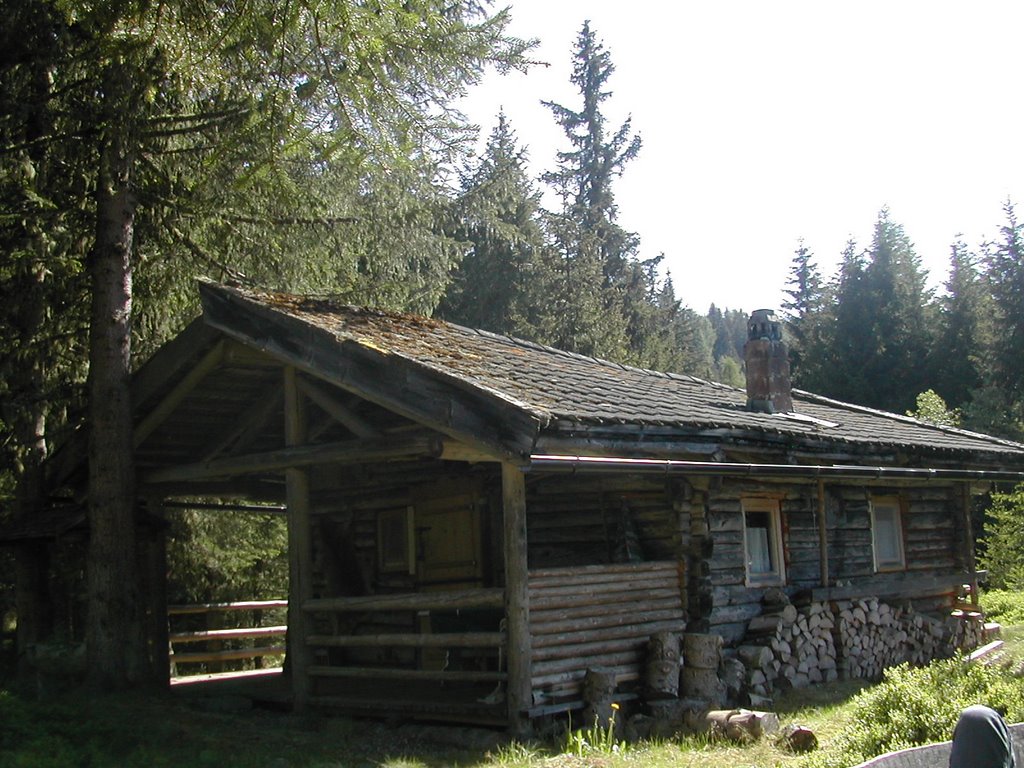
point(762, 539)
point(887, 533)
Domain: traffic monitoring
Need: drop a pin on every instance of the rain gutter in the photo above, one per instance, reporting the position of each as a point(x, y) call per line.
point(584, 464)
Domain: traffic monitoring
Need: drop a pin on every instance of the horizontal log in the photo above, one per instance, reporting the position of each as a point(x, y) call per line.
point(610, 659)
point(227, 634)
point(556, 624)
point(585, 571)
point(236, 654)
point(408, 640)
point(637, 608)
point(395, 673)
point(580, 651)
point(572, 680)
point(250, 605)
point(634, 597)
point(583, 634)
point(347, 452)
point(610, 587)
point(411, 601)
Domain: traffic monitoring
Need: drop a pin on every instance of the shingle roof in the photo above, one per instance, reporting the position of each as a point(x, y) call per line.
point(558, 386)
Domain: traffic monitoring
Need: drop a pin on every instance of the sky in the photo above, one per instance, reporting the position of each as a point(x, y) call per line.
point(764, 122)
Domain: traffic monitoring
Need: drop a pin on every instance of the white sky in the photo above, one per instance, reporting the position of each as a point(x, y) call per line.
point(767, 121)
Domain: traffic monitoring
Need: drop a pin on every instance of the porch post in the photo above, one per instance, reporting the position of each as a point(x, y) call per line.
point(299, 549)
point(969, 557)
point(517, 599)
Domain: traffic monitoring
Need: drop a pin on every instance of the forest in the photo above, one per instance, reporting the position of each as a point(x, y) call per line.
point(314, 148)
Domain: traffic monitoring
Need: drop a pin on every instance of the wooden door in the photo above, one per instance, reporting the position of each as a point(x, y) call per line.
point(448, 543)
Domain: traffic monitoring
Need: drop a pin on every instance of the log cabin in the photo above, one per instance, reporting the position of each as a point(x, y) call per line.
point(476, 520)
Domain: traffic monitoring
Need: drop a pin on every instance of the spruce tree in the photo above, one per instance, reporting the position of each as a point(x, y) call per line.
point(963, 334)
point(497, 217)
point(595, 259)
point(803, 313)
point(1005, 271)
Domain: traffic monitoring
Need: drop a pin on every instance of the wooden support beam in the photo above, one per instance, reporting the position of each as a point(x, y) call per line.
point(396, 673)
point(173, 399)
point(822, 534)
point(970, 561)
point(453, 600)
point(300, 550)
point(251, 423)
point(517, 599)
point(297, 456)
point(439, 640)
point(340, 413)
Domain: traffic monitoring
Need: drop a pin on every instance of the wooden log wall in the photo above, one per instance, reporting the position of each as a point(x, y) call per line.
point(930, 530)
point(598, 616)
point(589, 520)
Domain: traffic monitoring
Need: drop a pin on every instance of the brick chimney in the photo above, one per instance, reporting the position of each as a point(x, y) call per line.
point(769, 389)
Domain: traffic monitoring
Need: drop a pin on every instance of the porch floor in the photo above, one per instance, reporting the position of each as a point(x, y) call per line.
point(417, 700)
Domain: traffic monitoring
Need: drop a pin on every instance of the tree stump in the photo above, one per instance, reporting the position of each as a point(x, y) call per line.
point(598, 697)
point(661, 673)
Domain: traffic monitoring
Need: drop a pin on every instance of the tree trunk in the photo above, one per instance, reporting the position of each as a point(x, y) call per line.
point(115, 644)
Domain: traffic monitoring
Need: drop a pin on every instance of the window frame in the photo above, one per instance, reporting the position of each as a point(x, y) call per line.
point(896, 504)
point(776, 549)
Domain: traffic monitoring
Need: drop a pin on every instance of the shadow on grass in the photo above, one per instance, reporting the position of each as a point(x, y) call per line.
point(159, 730)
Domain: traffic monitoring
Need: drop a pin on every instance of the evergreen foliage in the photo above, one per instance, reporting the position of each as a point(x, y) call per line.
point(1002, 553)
point(497, 216)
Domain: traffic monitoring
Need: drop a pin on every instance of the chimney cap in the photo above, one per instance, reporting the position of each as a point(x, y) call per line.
point(763, 324)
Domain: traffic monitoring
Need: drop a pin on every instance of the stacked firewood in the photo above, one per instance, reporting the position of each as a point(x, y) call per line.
point(786, 647)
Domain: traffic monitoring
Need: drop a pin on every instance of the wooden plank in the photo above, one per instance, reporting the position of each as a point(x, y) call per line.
point(611, 659)
point(300, 546)
point(822, 535)
point(406, 640)
point(297, 456)
point(251, 423)
point(582, 651)
point(397, 673)
point(418, 601)
point(584, 634)
point(517, 599)
point(227, 634)
point(337, 411)
point(237, 654)
point(173, 399)
point(538, 575)
point(602, 620)
point(611, 591)
point(642, 597)
point(242, 605)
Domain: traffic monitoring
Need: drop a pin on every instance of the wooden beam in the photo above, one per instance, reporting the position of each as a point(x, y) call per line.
point(173, 399)
point(440, 640)
point(300, 549)
point(454, 600)
point(822, 535)
point(517, 599)
point(972, 566)
point(341, 414)
point(296, 456)
point(453, 450)
point(251, 422)
point(402, 386)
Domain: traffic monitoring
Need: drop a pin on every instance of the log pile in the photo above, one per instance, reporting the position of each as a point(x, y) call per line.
point(786, 647)
point(789, 648)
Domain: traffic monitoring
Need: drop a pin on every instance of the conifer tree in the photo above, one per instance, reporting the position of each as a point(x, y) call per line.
point(497, 216)
point(803, 312)
point(1005, 271)
point(591, 316)
point(963, 335)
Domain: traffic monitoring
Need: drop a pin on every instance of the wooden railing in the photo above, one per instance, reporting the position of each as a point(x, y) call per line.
point(214, 637)
point(421, 638)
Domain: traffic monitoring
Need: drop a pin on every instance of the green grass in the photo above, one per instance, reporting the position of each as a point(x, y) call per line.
point(851, 719)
